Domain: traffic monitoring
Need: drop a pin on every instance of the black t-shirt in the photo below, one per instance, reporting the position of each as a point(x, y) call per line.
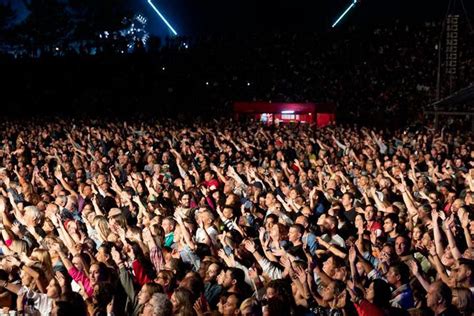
point(350, 215)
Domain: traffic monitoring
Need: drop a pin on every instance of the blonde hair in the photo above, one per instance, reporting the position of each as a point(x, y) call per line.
point(45, 263)
point(101, 225)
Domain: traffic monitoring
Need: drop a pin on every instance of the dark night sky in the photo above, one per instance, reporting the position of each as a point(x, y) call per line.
point(204, 16)
point(190, 17)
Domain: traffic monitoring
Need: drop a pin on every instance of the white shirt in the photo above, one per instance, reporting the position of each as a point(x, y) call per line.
point(201, 235)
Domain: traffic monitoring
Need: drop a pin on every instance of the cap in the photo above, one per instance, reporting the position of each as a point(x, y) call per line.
point(257, 185)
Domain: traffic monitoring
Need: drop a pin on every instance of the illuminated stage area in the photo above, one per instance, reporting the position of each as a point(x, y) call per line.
point(270, 113)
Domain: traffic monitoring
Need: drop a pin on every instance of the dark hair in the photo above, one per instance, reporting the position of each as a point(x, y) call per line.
point(402, 270)
point(274, 217)
point(103, 295)
point(299, 227)
point(194, 284)
point(71, 304)
point(382, 293)
point(277, 306)
point(444, 292)
point(393, 217)
point(154, 287)
point(104, 272)
point(144, 261)
point(237, 275)
point(282, 291)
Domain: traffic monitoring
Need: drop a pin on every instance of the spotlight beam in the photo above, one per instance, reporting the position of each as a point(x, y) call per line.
point(162, 17)
point(345, 12)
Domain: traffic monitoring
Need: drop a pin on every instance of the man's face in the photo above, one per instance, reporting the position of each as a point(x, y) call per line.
point(227, 282)
point(269, 200)
point(462, 273)
point(294, 235)
point(327, 225)
point(167, 226)
point(392, 277)
point(388, 225)
point(185, 201)
point(346, 200)
point(301, 220)
point(401, 246)
point(212, 272)
point(369, 213)
point(30, 220)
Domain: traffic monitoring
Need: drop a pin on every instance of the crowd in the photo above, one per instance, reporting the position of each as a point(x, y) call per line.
point(232, 218)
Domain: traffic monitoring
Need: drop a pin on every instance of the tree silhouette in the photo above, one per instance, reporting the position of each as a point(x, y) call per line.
point(7, 16)
point(47, 25)
point(92, 17)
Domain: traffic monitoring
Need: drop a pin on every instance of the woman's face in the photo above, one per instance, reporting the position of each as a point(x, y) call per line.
point(275, 232)
point(328, 292)
point(426, 240)
point(369, 295)
point(52, 290)
point(270, 292)
point(359, 222)
point(94, 274)
point(369, 213)
point(48, 226)
point(26, 279)
point(175, 303)
point(293, 194)
point(72, 228)
point(447, 259)
point(416, 234)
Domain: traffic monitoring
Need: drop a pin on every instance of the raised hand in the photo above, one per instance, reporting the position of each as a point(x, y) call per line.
point(116, 255)
point(201, 306)
point(301, 274)
point(413, 267)
point(61, 279)
point(249, 245)
point(58, 174)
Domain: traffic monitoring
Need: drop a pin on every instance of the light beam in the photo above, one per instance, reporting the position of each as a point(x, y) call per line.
point(162, 17)
point(345, 12)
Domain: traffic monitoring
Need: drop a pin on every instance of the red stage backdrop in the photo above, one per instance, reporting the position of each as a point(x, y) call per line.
point(320, 113)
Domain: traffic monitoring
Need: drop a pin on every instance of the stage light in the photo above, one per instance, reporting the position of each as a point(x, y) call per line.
point(287, 112)
point(345, 12)
point(162, 18)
